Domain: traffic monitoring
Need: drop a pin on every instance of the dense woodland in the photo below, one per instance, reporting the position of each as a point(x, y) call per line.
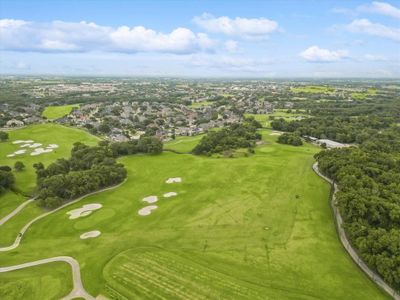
point(368, 177)
point(290, 139)
point(6, 178)
point(337, 128)
point(240, 135)
point(87, 170)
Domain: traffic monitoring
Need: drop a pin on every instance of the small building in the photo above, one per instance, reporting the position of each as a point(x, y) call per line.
point(14, 123)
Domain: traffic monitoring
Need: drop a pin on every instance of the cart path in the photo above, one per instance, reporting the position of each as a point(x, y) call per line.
point(78, 289)
point(15, 211)
point(25, 228)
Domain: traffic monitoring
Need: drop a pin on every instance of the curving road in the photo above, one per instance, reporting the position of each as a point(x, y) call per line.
point(346, 244)
point(78, 289)
point(15, 211)
point(25, 228)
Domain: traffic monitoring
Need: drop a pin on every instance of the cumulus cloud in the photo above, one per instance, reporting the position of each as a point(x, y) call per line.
point(58, 36)
point(231, 46)
point(382, 8)
point(317, 54)
point(367, 27)
point(243, 27)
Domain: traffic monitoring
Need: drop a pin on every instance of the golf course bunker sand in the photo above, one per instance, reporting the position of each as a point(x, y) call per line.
point(52, 146)
point(145, 211)
point(22, 141)
point(150, 199)
point(39, 151)
point(84, 211)
point(173, 180)
point(90, 234)
point(170, 194)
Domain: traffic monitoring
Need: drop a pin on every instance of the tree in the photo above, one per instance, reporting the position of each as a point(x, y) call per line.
point(3, 136)
point(19, 166)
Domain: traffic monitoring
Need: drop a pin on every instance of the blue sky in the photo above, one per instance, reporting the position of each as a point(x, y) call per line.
point(201, 38)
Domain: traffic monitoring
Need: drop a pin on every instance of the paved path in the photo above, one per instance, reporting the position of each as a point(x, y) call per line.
point(25, 228)
point(346, 244)
point(15, 211)
point(78, 289)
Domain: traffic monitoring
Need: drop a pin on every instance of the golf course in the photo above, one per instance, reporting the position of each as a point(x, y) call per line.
point(256, 227)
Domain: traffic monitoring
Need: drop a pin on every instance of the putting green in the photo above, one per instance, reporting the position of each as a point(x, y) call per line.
point(56, 112)
point(246, 228)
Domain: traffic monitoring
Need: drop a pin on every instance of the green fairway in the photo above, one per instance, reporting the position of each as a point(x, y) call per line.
point(41, 282)
point(183, 144)
point(246, 228)
point(313, 89)
point(45, 134)
point(265, 119)
point(56, 112)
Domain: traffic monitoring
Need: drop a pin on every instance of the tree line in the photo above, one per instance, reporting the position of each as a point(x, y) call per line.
point(368, 177)
point(238, 135)
point(87, 170)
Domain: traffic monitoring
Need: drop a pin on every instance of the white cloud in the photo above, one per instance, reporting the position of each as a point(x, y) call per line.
point(373, 57)
point(317, 54)
point(231, 46)
point(375, 29)
point(382, 8)
point(243, 27)
point(59, 36)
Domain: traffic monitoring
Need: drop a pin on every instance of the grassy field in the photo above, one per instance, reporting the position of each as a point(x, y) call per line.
point(313, 89)
point(265, 120)
point(45, 134)
point(183, 144)
point(364, 95)
point(56, 112)
point(245, 228)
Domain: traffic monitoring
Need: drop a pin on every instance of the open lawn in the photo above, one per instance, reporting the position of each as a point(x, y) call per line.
point(44, 134)
point(246, 228)
point(313, 89)
point(183, 144)
point(265, 120)
point(56, 112)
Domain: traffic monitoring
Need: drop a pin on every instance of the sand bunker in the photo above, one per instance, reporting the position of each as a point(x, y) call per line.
point(85, 210)
point(23, 142)
point(173, 180)
point(20, 151)
point(25, 145)
point(170, 194)
point(150, 199)
point(11, 155)
point(90, 234)
point(52, 146)
point(145, 211)
point(39, 151)
point(35, 145)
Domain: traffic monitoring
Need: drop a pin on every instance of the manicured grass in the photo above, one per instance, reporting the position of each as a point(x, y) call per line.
point(246, 228)
point(57, 112)
point(51, 281)
point(364, 95)
point(9, 201)
point(183, 144)
point(265, 120)
point(45, 134)
point(313, 89)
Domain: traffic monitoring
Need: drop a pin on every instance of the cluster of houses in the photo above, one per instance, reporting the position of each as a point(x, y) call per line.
point(130, 119)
